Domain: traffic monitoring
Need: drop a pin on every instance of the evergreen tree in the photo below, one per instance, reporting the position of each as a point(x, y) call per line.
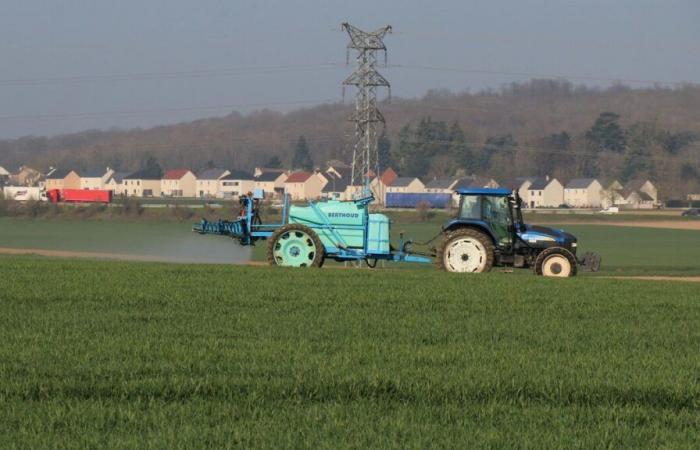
point(386, 159)
point(302, 157)
point(461, 151)
point(638, 161)
point(607, 134)
point(151, 163)
point(274, 162)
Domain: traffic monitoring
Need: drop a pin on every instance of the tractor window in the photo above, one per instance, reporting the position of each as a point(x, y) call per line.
point(497, 214)
point(470, 208)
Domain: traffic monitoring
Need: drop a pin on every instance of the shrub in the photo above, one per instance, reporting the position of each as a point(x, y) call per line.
point(424, 211)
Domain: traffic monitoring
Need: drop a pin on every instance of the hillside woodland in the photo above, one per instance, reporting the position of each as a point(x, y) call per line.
point(540, 127)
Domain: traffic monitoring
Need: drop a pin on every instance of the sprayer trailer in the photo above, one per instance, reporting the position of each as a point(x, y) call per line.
point(488, 231)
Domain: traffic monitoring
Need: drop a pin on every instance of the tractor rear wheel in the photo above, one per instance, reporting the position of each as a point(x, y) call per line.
point(555, 262)
point(466, 250)
point(295, 245)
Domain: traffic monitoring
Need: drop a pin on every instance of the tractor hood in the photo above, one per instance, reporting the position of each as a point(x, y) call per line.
point(538, 236)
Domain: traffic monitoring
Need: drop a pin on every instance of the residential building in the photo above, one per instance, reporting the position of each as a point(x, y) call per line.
point(178, 183)
point(263, 170)
point(639, 194)
point(522, 185)
point(115, 183)
point(4, 176)
point(406, 184)
point(336, 188)
point(303, 186)
point(25, 176)
point(584, 193)
point(545, 193)
point(71, 180)
point(641, 185)
point(611, 194)
point(236, 183)
point(379, 185)
point(95, 178)
point(56, 178)
point(271, 182)
point(441, 185)
point(143, 183)
point(208, 182)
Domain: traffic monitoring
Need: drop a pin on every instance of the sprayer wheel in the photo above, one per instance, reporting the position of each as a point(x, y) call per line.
point(295, 245)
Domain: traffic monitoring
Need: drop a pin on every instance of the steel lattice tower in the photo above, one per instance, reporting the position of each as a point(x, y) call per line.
point(366, 79)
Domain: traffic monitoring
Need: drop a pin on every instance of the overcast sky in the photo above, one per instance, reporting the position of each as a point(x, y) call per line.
point(72, 65)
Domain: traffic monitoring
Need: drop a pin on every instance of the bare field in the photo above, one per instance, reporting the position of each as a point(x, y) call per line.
point(668, 224)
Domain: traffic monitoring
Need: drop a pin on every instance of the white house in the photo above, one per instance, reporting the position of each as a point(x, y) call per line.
point(95, 178)
point(441, 185)
point(584, 193)
point(303, 186)
point(545, 193)
point(178, 183)
point(641, 186)
point(235, 184)
point(272, 182)
point(142, 183)
point(521, 184)
point(115, 183)
point(207, 184)
point(405, 184)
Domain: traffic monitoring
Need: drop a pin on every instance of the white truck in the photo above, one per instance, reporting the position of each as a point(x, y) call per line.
point(23, 194)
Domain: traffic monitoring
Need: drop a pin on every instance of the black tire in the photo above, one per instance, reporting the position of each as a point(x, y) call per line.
point(465, 233)
point(553, 256)
point(318, 256)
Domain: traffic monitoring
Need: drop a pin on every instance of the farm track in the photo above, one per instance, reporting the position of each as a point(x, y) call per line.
point(667, 224)
point(74, 254)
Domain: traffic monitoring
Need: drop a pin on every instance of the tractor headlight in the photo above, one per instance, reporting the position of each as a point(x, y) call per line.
point(574, 244)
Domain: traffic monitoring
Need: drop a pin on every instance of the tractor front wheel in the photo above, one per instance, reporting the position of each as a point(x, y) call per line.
point(555, 262)
point(295, 245)
point(466, 250)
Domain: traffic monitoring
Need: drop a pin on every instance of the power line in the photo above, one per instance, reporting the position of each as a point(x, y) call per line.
point(158, 111)
point(538, 75)
point(201, 73)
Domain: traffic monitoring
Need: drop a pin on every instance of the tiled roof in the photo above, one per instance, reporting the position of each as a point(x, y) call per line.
point(211, 174)
point(539, 184)
point(268, 176)
point(388, 176)
point(238, 175)
point(59, 174)
point(144, 174)
point(336, 184)
point(634, 185)
point(402, 181)
point(298, 177)
point(175, 174)
point(580, 183)
point(441, 183)
point(118, 176)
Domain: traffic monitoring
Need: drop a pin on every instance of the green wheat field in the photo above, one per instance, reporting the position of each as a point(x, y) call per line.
point(153, 355)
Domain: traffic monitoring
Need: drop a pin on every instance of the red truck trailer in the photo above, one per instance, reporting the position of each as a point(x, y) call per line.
point(79, 196)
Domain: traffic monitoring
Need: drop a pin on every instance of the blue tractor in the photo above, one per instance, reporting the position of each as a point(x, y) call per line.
point(488, 231)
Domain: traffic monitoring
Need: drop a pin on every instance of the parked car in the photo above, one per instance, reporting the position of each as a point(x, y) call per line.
point(610, 210)
point(564, 206)
point(692, 212)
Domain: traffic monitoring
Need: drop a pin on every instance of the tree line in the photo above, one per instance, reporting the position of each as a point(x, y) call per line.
point(540, 127)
